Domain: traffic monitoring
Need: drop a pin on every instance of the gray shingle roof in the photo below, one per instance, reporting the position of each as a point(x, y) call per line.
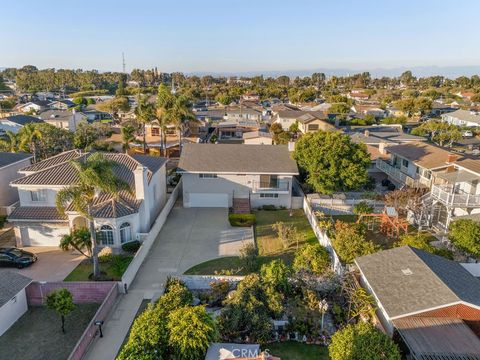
point(465, 115)
point(408, 280)
point(22, 119)
point(54, 160)
point(7, 158)
point(11, 283)
point(45, 213)
point(237, 158)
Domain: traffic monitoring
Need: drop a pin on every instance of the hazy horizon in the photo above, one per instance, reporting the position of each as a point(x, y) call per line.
point(241, 37)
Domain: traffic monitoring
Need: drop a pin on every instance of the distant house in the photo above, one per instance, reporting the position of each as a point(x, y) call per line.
point(308, 121)
point(243, 115)
point(227, 175)
point(13, 299)
point(375, 135)
point(119, 219)
point(15, 122)
point(257, 138)
point(373, 110)
point(36, 106)
point(62, 105)
point(432, 303)
point(465, 94)
point(439, 109)
point(462, 118)
point(64, 119)
point(10, 163)
point(251, 96)
point(358, 94)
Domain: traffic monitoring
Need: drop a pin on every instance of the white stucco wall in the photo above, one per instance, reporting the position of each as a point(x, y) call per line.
point(12, 311)
point(9, 195)
point(259, 141)
point(230, 184)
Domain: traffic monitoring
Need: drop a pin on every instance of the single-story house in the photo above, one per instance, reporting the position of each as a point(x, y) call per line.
point(120, 219)
point(462, 118)
point(10, 164)
point(36, 106)
point(432, 303)
point(224, 175)
point(64, 119)
point(13, 299)
point(62, 104)
point(15, 122)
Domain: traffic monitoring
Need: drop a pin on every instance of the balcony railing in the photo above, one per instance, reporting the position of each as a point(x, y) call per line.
point(449, 196)
point(271, 186)
point(396, 173)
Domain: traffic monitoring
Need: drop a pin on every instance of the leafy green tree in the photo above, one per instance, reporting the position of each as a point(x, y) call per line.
point(114, 106)
point(339, 108)
point(95, 174)
point(275, 275)
point(362, 341)
point(191, 330)
point(423, 105)
point(78, 239)
point(362, 208)
point(465, 235)
point(29, 135)
point(422, 241)
point(350, 242)
point(313, 258)
point(405, 105)
point(249, 257)
point(442, 134)
point(332, 161)
point(61, 301)
point(402, 120)
point(8, 141)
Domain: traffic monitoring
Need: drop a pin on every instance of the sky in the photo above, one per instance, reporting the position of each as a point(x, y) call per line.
point(239, 35)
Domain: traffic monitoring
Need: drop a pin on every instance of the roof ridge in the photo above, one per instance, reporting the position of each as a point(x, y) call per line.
point(78, 151)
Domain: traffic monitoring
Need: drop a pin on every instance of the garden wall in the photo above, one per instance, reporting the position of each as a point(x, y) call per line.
point(320, 234)
point(90, 332)
point(83, 292)
point(202, 282)
point(149, 239)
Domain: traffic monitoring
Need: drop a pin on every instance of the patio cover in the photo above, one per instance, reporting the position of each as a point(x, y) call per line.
point(457, 176)
point(433, 338)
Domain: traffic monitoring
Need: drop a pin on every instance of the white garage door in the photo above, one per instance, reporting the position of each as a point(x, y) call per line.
point(42, 235)
point(208, 200)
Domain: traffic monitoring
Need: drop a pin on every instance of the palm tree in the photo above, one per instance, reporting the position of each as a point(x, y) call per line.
point(164, 103)
point(128, 136)
point(95, 175)
point(178, 113)
point(144, 113)
point(9, 141)
point(28, 136)
point(80, 240)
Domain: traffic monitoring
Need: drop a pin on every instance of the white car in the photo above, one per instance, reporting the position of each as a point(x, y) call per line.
point(467, 133)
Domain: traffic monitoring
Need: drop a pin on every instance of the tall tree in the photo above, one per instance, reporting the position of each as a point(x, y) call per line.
point(95, 175)
point(178, 113)
point(144, 113)
point(128, 136)
point(8, 142)
point(29, 135)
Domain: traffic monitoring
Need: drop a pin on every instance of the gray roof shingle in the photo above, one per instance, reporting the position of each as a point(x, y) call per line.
point(237, 158)
point(11, 283)
point(408, 280)
point(22, 119)
point(44, 213)
point(7, 158)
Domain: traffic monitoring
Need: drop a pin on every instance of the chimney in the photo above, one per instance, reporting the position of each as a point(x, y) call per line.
point(451, 158)
point(381, 148)
point(366, 133)
point(291, 146)
point(141, 193)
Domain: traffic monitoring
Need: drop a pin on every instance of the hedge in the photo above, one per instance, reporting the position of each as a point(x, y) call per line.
point(242, 219)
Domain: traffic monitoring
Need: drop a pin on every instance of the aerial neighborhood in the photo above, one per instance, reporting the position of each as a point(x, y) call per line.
point(155, 214)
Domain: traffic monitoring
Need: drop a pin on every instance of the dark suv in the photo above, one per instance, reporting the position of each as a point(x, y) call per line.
point(16, 257)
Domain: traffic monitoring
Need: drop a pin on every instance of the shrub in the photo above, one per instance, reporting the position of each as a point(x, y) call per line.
point(120, 264)
point(362, 208)
point(3, 220)
point(288, 234)
point(465, 235)
point(131, 246)
point(362, 341)
point(422, 241)
point(219, 290)
point(268, 207)
point(249, 257)
point(350, 242)
point(242, 219)
point(275, 275)
point(313, 258)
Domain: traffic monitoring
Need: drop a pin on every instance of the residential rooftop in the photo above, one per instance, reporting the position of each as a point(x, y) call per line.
point(7, 158)
point(422, 154)
point(11, 283)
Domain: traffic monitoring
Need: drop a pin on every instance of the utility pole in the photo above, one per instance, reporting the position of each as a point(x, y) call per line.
point(123, 62)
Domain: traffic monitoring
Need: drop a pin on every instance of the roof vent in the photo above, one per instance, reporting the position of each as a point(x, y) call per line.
point(407, 271)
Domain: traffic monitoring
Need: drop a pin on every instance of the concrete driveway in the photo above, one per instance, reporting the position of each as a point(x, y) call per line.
point(53, 264)
point(189, 237)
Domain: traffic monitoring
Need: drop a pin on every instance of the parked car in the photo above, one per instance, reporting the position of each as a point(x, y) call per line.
point(467, 133)
point(16, 257)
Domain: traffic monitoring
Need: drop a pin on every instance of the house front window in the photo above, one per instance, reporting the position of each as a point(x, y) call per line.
point(39, 195)
point(155, 131)
point(404, 163)
point(269, 195)
point(312, 127)
point(268, 181)
point(125, 233)
point(106, 235)
point(207, 176)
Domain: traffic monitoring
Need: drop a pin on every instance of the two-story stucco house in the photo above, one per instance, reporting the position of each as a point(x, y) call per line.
point(118, 219)
point(224, 175)
point(10, 163)
point(462, 118)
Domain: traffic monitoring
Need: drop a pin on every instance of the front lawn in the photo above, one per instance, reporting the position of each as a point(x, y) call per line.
point(292, 350)
point(269, 245)
point(38, 334)
point(112, 268)
point(267, 240)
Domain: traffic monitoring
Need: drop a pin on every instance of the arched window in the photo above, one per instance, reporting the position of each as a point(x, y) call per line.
point(125, 233)
point(107, 235)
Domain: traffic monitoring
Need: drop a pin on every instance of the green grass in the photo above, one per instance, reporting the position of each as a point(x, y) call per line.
point(292, 350)
point(113, 269)
point(38, 334)
point(269, 245)
point(267, 241)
